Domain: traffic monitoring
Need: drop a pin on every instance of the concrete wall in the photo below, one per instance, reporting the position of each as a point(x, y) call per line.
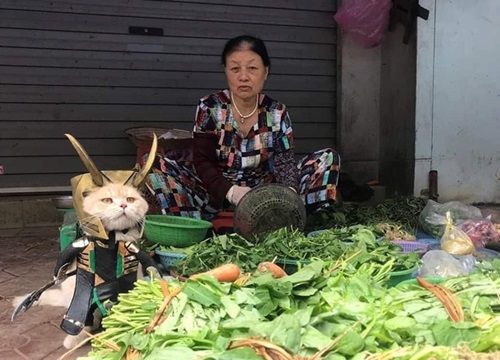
point(397, 113)
point(377, 111)
point(359, 115)
point(30, 214)
point(458, 100)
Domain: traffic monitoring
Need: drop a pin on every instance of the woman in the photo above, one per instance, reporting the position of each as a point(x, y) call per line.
point(242, 138)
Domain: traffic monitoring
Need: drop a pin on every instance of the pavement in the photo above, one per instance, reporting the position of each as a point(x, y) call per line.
point(26, 263)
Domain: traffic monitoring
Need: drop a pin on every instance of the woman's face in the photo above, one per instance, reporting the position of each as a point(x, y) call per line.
point(245, 73)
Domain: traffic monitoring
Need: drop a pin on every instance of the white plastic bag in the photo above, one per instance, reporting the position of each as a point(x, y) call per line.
point(438, 263)
point(432, 219)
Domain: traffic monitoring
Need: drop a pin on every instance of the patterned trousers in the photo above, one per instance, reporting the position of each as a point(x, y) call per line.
point(174, 188)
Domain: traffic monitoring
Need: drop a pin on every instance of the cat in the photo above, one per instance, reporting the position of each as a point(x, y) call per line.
point(119, 207)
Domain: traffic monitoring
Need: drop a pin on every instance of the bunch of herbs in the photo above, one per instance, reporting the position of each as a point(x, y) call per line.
point(293, 245)
point(402, 211)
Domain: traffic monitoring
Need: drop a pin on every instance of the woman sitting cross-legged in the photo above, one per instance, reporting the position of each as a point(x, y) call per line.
point(242, 138)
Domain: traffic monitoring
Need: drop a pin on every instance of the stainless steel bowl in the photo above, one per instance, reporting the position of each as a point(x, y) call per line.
point(63, 202)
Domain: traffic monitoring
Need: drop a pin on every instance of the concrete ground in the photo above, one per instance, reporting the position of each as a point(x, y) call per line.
point(26, 263)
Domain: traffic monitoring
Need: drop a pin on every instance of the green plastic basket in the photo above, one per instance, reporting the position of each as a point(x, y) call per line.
point(432, 280)
point(175, 231)
point(398, 276)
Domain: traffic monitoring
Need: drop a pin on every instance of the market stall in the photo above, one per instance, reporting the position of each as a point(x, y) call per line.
point(357, 284)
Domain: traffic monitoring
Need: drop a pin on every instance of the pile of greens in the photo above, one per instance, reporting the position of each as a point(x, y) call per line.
point(293, 245)
point(338, 311)
point(402, 211)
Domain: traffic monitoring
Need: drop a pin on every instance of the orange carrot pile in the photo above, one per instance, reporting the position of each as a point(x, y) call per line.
point(223, 273)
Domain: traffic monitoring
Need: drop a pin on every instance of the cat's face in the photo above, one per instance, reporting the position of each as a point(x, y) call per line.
point(119, 207)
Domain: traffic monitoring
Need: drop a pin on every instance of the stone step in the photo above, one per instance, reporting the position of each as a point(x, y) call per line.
point(26, 212)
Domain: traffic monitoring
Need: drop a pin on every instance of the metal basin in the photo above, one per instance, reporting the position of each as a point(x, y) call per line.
point(63, 202)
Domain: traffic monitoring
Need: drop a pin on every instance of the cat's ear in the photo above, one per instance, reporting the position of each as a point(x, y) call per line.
point(97, 176)
point(139, 177)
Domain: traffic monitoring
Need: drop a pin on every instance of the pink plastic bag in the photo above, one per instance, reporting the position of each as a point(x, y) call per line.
point(365, 20)
point(481, 232)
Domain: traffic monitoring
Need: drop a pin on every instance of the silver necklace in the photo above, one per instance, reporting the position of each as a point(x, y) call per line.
point(244, 117)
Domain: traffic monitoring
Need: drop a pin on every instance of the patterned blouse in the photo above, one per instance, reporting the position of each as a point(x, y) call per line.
point(264, 155)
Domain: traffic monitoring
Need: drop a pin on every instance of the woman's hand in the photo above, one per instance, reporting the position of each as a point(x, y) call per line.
point(235, 194)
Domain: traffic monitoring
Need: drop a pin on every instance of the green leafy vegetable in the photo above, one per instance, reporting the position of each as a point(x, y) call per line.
point(303, 313)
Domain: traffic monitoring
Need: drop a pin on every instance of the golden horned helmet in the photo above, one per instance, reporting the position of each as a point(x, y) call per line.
point(88, 182)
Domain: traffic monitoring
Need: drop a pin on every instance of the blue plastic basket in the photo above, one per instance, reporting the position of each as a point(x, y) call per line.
point(315, 233)
point(169, 259)
point(429, 241)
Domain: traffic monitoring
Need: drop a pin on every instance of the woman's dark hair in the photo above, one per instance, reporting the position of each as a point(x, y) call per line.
point(253, 43)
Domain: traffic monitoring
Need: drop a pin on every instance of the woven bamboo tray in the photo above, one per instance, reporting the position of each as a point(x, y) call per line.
point(143, 137)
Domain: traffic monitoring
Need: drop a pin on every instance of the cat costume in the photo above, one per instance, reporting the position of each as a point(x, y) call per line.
point(107, 256)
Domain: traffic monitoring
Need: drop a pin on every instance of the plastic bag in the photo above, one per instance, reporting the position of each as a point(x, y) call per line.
point(432, 219)
point(454, 240)
point(481, 232)
point(438, 263)
point(365, 20)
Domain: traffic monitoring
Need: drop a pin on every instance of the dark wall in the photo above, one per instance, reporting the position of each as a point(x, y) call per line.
point(72, 66)
point(397, 113)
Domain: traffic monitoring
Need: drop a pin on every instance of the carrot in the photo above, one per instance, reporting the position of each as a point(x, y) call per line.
point(223, 273)
point(276, 270)
point(159, 313)
point(164, 287)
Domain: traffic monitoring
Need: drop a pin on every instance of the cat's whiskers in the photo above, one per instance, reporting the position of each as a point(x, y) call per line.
point(134, 214)
point(110, 211)
point(103, 215)
point(140, 223)
point(91, 217)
